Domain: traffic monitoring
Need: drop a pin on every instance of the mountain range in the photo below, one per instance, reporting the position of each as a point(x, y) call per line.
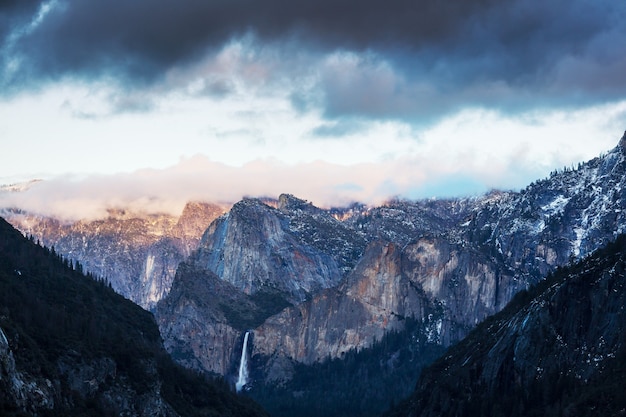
point(321, 287)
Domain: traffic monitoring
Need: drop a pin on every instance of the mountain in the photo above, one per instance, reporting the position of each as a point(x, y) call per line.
point(69, 345)
point(315, 287)
point(262, 258)
point(294, 248)
point(557, 349)
point(448, 264)
point(137, 253)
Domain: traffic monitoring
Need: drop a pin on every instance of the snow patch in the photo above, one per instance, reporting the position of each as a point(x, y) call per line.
point(149, 266)
point(556, 206)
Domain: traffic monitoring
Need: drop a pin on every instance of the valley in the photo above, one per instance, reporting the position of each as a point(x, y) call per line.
point(367, 292)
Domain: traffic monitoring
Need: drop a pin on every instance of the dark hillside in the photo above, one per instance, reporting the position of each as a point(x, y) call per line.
point(69, 345)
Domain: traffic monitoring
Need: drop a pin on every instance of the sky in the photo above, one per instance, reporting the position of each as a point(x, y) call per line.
point(150, 103)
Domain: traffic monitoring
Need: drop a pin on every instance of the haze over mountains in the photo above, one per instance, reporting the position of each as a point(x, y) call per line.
point(317, 284)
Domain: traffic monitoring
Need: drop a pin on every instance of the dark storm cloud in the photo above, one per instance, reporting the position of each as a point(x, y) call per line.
point(14, 11)
point(157, 34)
point(442, 53)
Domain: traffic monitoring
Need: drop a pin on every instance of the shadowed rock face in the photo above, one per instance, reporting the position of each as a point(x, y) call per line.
point(194, 328)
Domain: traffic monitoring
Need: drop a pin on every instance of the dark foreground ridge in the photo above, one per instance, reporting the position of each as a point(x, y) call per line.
point(556, 350)
point(71, 346)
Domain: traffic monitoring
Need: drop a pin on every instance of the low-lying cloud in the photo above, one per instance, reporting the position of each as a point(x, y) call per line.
point(444, 167)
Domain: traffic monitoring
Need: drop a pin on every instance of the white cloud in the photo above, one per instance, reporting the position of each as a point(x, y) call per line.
point(470, 152)
point(227, 127)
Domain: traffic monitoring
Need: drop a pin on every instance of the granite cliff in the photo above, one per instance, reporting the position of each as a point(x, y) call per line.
point(557, 349)
point(295, 248)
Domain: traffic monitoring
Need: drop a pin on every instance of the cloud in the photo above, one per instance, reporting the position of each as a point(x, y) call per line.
point(198, 178)
point(393, 96)
point(339, 128)
point(451, 159)
point(406, 59)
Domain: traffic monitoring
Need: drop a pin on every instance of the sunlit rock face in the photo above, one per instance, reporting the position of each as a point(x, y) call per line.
point(373, 300)
point(447, 287)
point(137, 253)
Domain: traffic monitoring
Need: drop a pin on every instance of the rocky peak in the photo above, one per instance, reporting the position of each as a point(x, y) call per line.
point(290, 203)
point(196, 217)
point(254, 248)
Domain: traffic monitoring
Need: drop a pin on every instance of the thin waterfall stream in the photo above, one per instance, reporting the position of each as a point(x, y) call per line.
point(242, 378)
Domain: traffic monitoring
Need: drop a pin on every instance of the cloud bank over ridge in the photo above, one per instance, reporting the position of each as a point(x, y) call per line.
point(330, 100)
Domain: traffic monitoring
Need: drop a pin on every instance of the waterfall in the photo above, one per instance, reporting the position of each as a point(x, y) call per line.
point(242, 379)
